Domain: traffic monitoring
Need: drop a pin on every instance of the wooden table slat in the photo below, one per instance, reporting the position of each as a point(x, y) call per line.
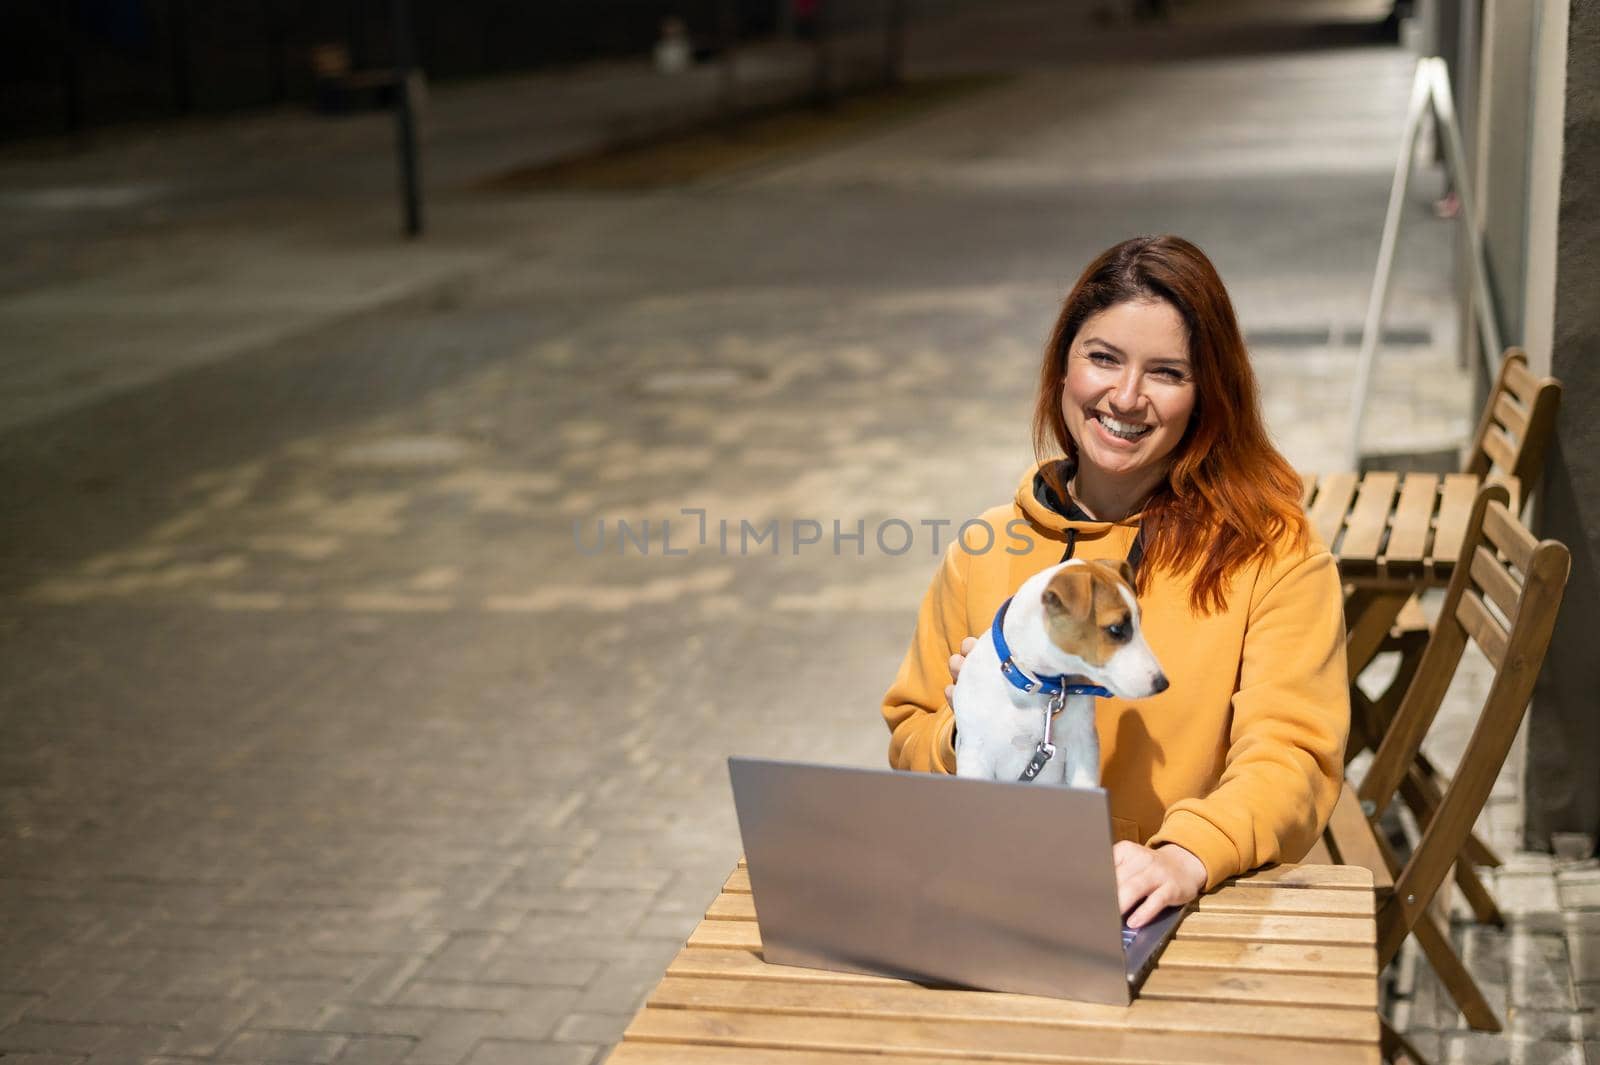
point(1413, 520)
point(1329, 877)
point(1234, 956)
point(1289, 877)
point(1327, 510)
point(1241, 902)
point(1455, 507)
point(899, 1003)
point(995, 1042)
point(1311, 902)
point(1275, 928)
point(1368, 519)
point(1267, 989)
point(1198, 984)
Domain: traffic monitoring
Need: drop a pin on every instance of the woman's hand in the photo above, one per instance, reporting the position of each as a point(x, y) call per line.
point(956, 662)
point(1165, 876)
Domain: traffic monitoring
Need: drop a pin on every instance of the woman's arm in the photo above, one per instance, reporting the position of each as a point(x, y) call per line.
point(1290, 718)
point(916, 709)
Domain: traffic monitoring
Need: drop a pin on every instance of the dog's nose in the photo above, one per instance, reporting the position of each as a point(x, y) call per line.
point(1161, 684)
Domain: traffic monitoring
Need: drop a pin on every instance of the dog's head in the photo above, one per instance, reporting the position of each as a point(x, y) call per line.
point(1091, 615)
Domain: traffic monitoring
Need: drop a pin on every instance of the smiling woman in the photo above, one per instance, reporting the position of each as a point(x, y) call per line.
point(1151, 449)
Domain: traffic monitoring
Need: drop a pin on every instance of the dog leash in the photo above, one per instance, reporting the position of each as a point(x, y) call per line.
point(1056, 687)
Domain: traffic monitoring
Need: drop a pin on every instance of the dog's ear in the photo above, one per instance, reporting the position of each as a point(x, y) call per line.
point(1070, 593)
point(1127, 572)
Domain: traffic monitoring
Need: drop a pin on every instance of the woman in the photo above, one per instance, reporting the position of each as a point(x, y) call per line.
point(1146, 388)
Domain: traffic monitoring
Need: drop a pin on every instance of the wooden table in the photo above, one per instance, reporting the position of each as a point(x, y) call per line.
point(1393, 536)
point(1279, 966)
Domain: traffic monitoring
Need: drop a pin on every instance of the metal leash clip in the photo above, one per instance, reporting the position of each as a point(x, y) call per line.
point(1046, 750)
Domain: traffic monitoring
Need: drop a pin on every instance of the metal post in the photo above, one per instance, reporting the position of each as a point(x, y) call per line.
point(405, 119)
point(1430, 89)
point(1456, 159)
point(1379, 297)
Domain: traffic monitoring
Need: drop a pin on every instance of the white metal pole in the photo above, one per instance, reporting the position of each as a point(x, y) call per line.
point(1379, 298)
point(1455, 157)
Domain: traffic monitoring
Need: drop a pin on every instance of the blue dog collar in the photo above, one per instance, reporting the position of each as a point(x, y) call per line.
point(1021, 679)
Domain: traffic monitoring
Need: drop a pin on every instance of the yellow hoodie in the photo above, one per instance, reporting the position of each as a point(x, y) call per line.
point(1239, 761)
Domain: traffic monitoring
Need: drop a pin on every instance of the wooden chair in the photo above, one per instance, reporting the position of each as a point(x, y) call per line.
point(1503, 597)
point(1508, 448)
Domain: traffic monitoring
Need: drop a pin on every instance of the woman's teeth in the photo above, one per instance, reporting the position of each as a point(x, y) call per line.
point(1122, 430)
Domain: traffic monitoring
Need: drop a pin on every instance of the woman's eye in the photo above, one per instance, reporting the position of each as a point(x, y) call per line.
point(1100, 358)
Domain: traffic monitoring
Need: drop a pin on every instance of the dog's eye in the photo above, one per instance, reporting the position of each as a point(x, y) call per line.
point(1117, 631)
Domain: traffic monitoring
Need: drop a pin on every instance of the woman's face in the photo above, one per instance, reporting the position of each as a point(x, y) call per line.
point(1129, 388)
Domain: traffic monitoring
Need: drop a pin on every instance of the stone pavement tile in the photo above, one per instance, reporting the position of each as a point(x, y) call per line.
point(620, 988)
point(519, 1052)
point(467, 919)
point(451, 1039)
point(292, 1003)
point(460, 996)
point(1539, 974)
point(1527, 892)
point(210, 1026)
point(378, 1020)
point(516, 895)
point(1583, 950)
point(14, 1004)
point(1559, 1026)
point(385, 979)
point(602, 1028)
point(45, 1059)
point(56, 1037)
point(257, 1044)
point(375, 1050)
point(532, 970)
point(70, 998)
point(1580, 889)
point(462, 956)
point(131, 1046)
point(1489, 1048)
point(135, 1010)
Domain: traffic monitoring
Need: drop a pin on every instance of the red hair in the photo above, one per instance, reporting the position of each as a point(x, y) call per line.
point(1229, 496)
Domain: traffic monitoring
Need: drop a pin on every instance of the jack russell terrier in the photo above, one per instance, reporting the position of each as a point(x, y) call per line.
point(1075, 621)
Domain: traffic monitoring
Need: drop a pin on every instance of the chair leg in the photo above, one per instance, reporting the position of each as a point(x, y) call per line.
point(1447, 965)
point(1396, 1047)
point(1419, 793)
point(1484, 909)
point(1475, 850)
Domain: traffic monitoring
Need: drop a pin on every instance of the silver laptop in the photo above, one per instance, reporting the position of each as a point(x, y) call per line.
point(938, 879)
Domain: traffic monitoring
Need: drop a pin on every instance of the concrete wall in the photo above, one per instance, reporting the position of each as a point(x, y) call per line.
point(1563, 330)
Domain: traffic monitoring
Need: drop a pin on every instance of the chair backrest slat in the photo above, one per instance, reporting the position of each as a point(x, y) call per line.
point(1511, 414)
point(1501, 449)
point(1509, 537)
point(1518, 378)
point(1501, 587)
point(1481, 625)
point(1517, 422)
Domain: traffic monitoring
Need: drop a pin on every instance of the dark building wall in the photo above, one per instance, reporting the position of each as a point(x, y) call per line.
point(97, 62)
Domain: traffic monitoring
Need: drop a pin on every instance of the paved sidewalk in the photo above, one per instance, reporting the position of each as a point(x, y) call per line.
point(325, 736)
